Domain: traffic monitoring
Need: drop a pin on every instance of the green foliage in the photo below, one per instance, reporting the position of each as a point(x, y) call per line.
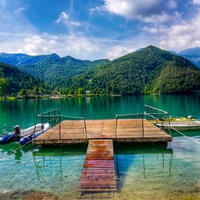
point(52, 69)
point(174, 79)
point(12, 80)
point(150, 70)
point(81, 91)
point(22, 92)
point(3, 86)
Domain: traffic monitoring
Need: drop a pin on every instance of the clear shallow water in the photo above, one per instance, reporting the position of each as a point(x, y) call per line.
point(146, 171)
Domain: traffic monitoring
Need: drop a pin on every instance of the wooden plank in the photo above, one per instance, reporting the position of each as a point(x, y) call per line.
point(98, 174)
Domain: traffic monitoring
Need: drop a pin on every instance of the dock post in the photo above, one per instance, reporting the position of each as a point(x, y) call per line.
point(35, 123)
point(85, 127)
point(59, 126)
point(169, 123)
point(42, 122)
point(143, 125)
point(116, 126)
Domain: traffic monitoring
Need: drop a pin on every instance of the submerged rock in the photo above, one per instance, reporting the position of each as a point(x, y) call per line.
point(27, 195)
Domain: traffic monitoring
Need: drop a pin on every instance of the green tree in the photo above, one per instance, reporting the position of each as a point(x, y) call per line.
point(35, 90)
point(3, 86)
point(22, 92)
point(81, 91)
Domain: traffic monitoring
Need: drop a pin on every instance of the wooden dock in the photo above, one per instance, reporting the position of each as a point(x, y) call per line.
point(98, 174)
point(121, 130)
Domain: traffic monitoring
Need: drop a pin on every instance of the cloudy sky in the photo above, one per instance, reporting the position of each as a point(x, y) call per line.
point(93, 29)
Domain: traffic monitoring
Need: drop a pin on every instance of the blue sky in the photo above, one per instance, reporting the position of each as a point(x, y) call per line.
point(93, 29)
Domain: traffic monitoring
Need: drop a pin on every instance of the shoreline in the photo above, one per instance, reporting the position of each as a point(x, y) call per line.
point(10, 98)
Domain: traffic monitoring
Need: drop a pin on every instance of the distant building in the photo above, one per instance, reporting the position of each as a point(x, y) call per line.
point(87, 92)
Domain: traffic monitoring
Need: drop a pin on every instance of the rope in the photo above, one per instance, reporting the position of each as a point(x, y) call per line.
point(15, 151)
point(184, 135)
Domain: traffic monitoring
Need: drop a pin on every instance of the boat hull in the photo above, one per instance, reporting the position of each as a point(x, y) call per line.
point(8, 138)
point(26, 135)
point(179, 127)
point(41, 128)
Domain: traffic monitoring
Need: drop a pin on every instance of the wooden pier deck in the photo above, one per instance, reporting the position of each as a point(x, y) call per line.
point(121, 130)
point(98, 174)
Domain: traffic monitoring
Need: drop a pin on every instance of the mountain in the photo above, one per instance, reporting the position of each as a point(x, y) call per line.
point(192, 54)
point(150, 70)
point(51, 68)
point(15, 80)
point(21, 59)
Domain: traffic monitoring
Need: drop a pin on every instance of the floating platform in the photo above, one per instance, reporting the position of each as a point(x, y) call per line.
point(98, 173)
point(120, 130)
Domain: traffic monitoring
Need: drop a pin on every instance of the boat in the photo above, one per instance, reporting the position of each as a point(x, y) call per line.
point(26, 135)
point(180, 124)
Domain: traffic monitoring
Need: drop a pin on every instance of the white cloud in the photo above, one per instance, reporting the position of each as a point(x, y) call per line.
point(163, 17)
point(178, 36)
point(196, 2)
point(118, 51)
point(13, 21)
point(151, 11)
point(172, 4)
point(64, 18)
point(74, 45)
point(19, 10)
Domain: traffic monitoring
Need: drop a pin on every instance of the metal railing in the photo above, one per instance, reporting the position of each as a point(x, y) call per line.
point(139, 116)
point(52, 117)
point(69, 118)
point(160, 116)
point(150, 113)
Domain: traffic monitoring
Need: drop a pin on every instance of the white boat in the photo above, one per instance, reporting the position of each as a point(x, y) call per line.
point(26, 135)
point(30, 133)
point(34, 129)
point(180, 125)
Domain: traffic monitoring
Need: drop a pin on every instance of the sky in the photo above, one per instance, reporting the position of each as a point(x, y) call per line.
point(95, 29)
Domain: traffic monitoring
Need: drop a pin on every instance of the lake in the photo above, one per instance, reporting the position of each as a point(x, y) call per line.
point(151, 171)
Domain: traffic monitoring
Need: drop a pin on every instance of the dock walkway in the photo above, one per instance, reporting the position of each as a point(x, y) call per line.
point(98, 174)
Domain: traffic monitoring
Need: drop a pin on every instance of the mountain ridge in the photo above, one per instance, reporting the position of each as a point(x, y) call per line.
point(138, 73)
point(149, 70)
point(192, 54)
point(51, 68)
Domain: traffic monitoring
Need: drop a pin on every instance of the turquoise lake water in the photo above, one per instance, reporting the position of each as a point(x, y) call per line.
point(151, 171)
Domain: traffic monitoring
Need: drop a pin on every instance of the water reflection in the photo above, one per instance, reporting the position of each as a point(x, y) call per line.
point(50, 159)
point(133, 157)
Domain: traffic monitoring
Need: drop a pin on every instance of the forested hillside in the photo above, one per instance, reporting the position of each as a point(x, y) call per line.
point(150, 70)
point(54, 70)
point(12, 80)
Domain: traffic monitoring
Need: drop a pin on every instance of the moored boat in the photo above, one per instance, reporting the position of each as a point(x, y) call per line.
point(181, 124)
point(26, 135)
